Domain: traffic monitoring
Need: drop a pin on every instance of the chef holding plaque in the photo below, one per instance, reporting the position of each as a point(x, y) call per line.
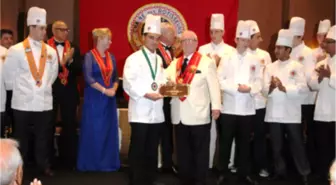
point(190, 111)
point(143, 75)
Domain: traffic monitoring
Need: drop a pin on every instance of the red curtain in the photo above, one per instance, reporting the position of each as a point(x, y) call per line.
point(116, 14)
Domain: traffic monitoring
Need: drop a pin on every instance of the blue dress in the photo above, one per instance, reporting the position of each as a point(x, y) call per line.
point(98, 140)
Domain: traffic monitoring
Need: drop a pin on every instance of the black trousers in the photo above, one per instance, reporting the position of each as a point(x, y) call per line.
point(42, 124)
point(143, 152)
point(311, 140)
point(167, 147)
point(2, 123)
point(68, 139)
point(295, 138)
point(192, 144)
point(238, 127)
point(325, 146)
point(259, 140)
point(9, 117)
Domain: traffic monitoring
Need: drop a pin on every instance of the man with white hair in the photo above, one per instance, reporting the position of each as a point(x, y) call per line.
point(10, 163)
point(190, 113)
point(240, 79)
point(324, 80)
point(319, 52)
point(30, 68)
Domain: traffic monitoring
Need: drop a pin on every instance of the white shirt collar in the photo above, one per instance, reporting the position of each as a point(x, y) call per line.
point(189, 56)
point(34, 43)
point(164, 45)
point(149, 52)
point(214, 46)
point(283, 63)
point(298, 47)
point(253, 51)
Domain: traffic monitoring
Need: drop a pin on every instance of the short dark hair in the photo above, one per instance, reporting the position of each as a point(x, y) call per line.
point(6, 31)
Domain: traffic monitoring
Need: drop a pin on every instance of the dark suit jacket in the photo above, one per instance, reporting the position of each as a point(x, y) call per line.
point(69, 92)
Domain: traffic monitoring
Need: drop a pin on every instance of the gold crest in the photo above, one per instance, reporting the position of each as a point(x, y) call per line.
point(49, 57)
point(193, 69)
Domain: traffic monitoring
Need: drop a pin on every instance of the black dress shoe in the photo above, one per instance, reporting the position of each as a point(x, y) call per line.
point(305, 180)
point(248, 180)
point(158, 183)
point(221, 179)
point(277, 177)
point(167, 170)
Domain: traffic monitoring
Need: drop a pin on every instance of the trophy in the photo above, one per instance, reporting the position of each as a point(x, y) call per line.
point(174, 90)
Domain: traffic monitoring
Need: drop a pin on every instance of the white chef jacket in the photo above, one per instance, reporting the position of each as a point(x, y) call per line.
point(285, 107)
point(27, 96)
point(304, 55)
point(137, 81)
point(3, 52)
point(239, 69)
point(264, 59)
point(325, 102)
point(220, 49)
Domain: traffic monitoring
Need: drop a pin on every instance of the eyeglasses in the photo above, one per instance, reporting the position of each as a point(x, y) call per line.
point(188, 40)
point(63, 29)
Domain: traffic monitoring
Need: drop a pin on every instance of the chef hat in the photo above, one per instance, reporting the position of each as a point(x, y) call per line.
point(37, 16)
point(217, 21)
point(285, 38)
point(297, 26)
point(243, 30)
point(153, 24)
point(332, 33)
point(254, 28)
point(324, 26)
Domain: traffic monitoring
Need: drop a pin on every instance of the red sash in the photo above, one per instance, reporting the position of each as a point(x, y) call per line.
point(188, 75)
point(63, 76)
point(165, 55)
point(106, 70)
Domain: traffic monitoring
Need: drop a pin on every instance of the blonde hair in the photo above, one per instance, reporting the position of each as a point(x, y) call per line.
point(100, 33)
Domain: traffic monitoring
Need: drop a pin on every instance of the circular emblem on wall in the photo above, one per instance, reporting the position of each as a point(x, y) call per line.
point(168, 14)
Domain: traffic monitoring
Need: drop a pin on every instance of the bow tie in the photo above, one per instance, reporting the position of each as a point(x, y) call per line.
point(59, 43)
point(167, 47)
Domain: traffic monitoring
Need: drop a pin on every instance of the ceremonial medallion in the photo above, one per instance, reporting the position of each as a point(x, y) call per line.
point(154, 86)
point(166, 12)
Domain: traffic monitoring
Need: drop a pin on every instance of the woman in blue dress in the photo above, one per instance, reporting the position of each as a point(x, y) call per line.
point(99, 140)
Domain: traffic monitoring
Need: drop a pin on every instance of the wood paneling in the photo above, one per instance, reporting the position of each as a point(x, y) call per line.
point(312, 11)
point(9, 11)
point(268, 15)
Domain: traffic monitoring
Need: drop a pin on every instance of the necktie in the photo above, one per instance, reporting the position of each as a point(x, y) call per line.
point(184, 65)
point(59, 43)
point(167, 47)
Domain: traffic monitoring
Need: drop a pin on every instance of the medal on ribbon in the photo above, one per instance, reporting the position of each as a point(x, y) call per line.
point(154, 85)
